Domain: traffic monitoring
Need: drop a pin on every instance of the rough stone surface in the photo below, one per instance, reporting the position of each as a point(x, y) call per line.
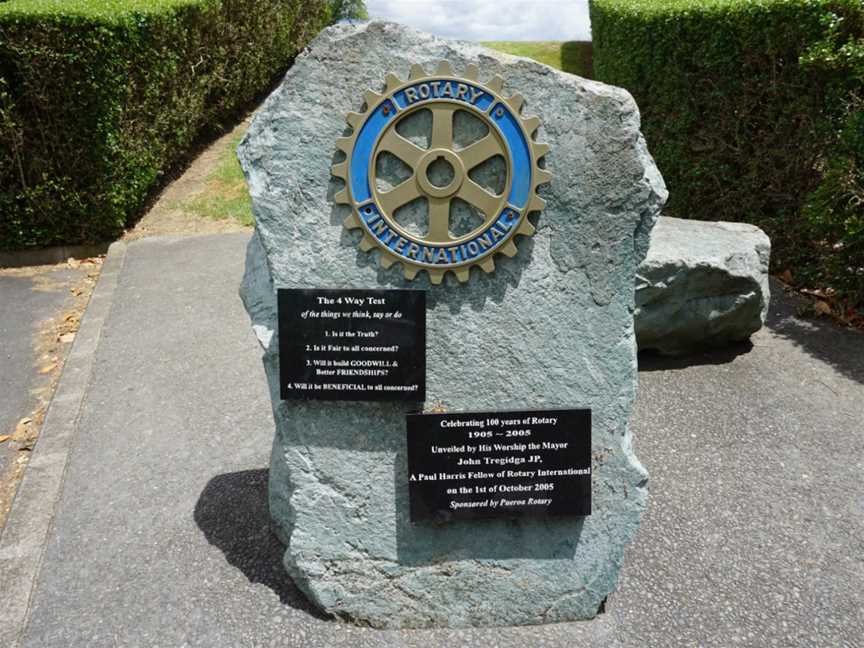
point(701, 285)
point(550, 327)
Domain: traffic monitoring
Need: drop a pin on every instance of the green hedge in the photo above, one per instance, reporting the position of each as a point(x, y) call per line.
point(100, 98)
point(744, 103)
point(834, 213)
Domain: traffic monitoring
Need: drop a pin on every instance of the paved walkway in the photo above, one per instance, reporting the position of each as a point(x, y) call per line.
point(151, 470)
point(28, 300)
point(33, 301)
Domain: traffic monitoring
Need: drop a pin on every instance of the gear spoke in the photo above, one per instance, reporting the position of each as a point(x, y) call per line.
point(483, 200)
point(439, 220)
point(402, 148)
point(401, 194)
point(442, 126)
point(480, 151)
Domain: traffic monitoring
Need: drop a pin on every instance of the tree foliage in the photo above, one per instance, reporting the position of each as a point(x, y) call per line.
point(348, 10)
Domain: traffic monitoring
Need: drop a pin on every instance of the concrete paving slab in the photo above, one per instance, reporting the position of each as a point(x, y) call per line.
point(160, 538)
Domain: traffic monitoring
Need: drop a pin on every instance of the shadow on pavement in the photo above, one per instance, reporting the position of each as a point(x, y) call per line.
point(821, 338)
point(232, 512)
point(653, 361)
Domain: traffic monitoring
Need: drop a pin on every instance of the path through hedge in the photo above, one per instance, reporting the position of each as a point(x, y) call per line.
point(209, 197)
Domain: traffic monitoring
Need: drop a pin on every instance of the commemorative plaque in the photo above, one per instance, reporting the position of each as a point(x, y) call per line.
point(352, 344)
point(499, 464)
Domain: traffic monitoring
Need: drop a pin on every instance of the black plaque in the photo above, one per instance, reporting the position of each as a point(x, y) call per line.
point(499, 464)
point(352, 344)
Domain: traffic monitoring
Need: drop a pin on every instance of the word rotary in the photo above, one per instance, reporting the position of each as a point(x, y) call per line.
point(504, 214)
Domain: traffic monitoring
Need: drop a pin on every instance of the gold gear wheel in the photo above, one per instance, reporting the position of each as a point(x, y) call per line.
point(462, 160)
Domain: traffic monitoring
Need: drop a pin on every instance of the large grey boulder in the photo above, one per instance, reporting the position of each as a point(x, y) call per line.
point(703, 284)
point(552, 326)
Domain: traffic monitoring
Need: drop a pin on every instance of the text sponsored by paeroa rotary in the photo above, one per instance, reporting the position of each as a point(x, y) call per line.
point(499, 464)
point(352, 344)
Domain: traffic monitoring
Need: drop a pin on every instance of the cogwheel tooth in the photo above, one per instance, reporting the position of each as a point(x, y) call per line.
point(540, 149)
point(340, 170)
point(516, 102)
point(392, 81)
point(462, 274)
point(436, 276)
point(386, 260)
point(526, 228)
point(341, 197)
point(509, 249)
point(531, 124)
point(472, 72)
point(496, 84)
point(444, 69)
point(354, 119)
point(487, 265)
point(417, 72)
point(409, 271)
point(351, 221)
point(344, 144)
point(543, 176)
point(536, 204)
point(371, 98)
point(366, 243)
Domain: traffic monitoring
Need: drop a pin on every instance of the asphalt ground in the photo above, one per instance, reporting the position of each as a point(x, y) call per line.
point(31, 300)
point(151, 486)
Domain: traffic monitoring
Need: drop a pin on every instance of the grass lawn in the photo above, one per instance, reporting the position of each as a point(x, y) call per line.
point(570, 56)
point(225, 196)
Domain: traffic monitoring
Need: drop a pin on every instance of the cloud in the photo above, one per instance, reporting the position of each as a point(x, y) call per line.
point(480, 20)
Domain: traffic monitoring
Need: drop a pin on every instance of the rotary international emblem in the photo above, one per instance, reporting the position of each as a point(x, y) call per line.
point(439, 168)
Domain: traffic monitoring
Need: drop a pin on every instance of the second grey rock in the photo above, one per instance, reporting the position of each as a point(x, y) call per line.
point(702, 284)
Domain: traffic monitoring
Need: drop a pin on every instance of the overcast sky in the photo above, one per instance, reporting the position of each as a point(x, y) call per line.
point(490, 19)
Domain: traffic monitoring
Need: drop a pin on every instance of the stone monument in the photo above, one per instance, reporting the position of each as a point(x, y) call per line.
point(524, 221)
